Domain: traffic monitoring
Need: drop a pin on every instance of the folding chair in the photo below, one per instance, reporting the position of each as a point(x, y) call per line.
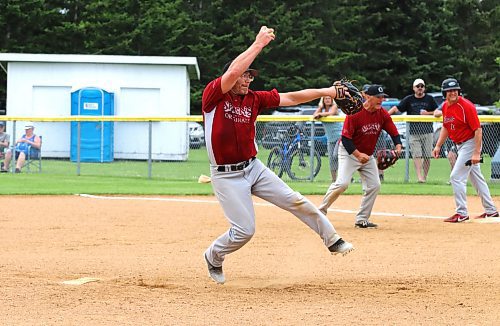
point(34, 158)
point(2, 154)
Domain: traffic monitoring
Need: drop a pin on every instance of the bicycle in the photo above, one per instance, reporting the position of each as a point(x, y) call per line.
point(294, 156)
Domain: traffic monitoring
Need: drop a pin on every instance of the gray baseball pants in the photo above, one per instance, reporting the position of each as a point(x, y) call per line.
point(348, 164)
point(234, 191)
point(458, 179)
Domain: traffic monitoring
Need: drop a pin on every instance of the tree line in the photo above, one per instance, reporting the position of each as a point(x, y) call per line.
point(388, 42)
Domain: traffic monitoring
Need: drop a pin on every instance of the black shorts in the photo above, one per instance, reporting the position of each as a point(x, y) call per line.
point(34, 155)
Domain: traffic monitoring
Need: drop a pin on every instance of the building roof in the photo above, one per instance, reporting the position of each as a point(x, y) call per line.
point(190, 62)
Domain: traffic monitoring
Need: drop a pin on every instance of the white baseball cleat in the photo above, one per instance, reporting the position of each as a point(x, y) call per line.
point(215, 272)
point(341, 247)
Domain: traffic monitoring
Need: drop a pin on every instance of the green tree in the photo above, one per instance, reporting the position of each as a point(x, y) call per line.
point(318, 41)
point(399, 43)
point(476, 44)
point(22, 23)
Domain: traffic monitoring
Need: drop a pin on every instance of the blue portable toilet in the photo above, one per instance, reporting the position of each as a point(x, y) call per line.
point(96, 138)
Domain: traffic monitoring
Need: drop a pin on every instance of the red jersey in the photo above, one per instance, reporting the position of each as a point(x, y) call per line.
point(230, 122)
point(365, 127)
point(460, 119)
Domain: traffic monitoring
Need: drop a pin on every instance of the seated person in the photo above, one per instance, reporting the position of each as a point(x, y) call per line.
point(4, 140)
point(23, 144)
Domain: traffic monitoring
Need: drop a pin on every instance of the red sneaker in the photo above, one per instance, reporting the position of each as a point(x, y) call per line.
point(485, 215)
point(457, 218)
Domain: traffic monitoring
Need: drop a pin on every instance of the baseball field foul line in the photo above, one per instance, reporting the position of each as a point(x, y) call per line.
point(197, 201)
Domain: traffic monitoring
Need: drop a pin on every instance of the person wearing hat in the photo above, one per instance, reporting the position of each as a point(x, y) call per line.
point(461, 124)
point(4, 140)
point(381, 144)
point(28, 144)
point(420, 133)
point(230, 109)
point(359, 137)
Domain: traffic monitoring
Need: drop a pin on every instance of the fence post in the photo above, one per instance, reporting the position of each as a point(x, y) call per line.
point(311, 152)
point(78, 135)
point(407, 153)
point(150, 148)
point(13, 148)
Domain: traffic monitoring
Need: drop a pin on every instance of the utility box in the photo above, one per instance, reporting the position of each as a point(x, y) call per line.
point(96, 138)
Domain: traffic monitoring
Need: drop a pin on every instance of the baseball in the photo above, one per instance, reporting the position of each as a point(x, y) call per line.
point(269, 31)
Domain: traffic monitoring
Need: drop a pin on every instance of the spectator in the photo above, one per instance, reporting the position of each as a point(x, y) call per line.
point(328, 107)
point(4, 140)
point(420, 133)
point(23, 145)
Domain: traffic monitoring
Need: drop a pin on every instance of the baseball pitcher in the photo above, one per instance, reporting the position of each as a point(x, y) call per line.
point(230, 110)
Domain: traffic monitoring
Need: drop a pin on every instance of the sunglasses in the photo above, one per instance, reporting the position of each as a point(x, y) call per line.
point(248, 76)
point(420, 86)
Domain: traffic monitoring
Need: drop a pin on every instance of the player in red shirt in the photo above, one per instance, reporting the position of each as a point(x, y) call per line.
point(461, 124)
point(230, 111)
point(359, 137)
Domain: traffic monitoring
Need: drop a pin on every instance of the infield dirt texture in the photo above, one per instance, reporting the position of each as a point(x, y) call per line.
point(147, 255)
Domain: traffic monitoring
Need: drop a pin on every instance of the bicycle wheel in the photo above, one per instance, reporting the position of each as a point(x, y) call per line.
point(300, 164)
point(275, 161)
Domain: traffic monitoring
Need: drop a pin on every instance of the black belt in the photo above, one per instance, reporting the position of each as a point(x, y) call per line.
point(234, 167)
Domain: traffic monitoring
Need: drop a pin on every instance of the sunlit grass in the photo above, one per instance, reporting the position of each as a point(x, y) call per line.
point(181, 178)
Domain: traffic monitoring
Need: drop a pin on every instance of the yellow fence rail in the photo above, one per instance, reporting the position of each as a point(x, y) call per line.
point(199, 118)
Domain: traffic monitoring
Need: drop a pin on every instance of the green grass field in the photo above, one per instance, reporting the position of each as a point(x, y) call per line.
point(59, 177)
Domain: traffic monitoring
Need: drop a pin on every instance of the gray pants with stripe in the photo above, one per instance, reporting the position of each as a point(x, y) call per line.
point(234, 191)
point(348, 164)
point(458, 179)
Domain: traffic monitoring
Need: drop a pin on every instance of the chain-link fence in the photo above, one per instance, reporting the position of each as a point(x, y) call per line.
point(307, 150)
point(294, 147)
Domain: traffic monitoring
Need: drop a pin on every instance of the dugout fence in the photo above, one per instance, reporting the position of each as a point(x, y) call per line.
point(275, 135)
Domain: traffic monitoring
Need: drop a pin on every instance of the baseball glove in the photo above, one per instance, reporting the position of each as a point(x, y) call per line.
point(350, 103)
point(386, 158)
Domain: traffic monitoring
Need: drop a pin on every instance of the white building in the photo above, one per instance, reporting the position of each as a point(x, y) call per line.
point(40, 85)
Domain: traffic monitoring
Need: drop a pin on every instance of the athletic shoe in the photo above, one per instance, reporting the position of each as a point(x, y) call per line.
point(17, 170)
point(457, 218)
point(365, 225)
point(341, 247)
point(485, 215)
point(215, 272)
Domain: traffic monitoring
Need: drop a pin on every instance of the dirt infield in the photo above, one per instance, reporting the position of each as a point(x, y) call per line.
point(147, 255)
